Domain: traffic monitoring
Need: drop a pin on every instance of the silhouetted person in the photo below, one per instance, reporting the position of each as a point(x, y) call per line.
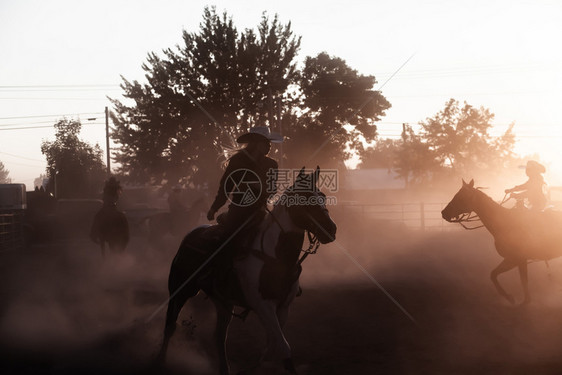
point(175, 202)
point(111, 192)
point(534, 189)
point(248, 177)
point(110, 225)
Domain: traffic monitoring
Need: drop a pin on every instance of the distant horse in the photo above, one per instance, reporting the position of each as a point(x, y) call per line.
point(265, 279)
point(110, 226)
point(174, 224)
point(520, 234)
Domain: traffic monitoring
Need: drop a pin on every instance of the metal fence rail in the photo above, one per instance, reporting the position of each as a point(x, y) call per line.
point(421, 215)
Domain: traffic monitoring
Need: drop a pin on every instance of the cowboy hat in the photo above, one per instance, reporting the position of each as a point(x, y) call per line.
point(260, 132)
point(535, 166)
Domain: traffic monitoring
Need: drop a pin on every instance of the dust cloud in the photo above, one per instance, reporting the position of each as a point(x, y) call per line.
point(65, 310)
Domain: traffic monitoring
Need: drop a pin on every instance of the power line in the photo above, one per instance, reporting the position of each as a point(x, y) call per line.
point(57, 86)
point(51, 98)
point(20, 157)
point(38, 116)
point(47, 126)
point(35, 122)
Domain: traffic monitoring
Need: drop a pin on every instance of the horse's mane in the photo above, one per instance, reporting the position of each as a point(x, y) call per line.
point(486, 196)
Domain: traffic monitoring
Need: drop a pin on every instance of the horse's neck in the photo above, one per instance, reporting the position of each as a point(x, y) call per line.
point(276, 223)
point(489, 212)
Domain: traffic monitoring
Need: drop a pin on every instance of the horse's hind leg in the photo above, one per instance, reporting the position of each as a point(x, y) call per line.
point(524, 282)
point(504, 266)
point(175, 304)
point(224, 316)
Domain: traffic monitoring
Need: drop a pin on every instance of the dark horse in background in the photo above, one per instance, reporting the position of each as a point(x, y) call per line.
point(520, 235)
point(174, 224)
point(264, 278)
point(110, 226)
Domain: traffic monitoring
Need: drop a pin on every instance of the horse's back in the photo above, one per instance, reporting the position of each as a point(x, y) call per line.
point(531, 235)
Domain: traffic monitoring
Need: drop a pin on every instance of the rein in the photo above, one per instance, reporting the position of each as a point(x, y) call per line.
point(471, 217)
point(467, 218)
point(313, 246)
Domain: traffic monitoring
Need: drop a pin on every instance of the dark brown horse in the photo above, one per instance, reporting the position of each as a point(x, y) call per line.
point(520, 235)
point(110, 226)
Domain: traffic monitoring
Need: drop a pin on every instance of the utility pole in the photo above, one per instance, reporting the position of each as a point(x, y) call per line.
point(107, 140)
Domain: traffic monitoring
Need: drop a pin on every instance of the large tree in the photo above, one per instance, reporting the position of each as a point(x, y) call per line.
point(74, 167)
point(218, 83)
point(199, 96)
point(459, 137)
point(338, 108)
point(410, 157)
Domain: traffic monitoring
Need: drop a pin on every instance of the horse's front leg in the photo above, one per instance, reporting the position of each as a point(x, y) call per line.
point(524, 282)
point(282, 316)
point(504, 266)
point(278, 348)
point(224, 317)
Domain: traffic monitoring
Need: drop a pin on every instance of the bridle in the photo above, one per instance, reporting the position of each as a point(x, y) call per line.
point(467, 218)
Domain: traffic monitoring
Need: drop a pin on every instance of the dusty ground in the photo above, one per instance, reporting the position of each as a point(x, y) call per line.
point(65, 311)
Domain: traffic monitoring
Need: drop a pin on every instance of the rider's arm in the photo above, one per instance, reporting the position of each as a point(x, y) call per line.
point(521, 187)
point(226, 185)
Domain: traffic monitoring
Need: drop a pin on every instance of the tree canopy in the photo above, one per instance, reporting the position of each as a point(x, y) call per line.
point(74, 167)
point(199, 96)
point(460, 140)
point(455, 141)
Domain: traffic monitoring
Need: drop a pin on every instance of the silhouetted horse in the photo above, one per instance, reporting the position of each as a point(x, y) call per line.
point(264, 279)
point(110, 226)
point(175, 224)
point(520, 235)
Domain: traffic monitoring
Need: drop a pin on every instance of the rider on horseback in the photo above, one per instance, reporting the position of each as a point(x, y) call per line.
point(244, 182)
point(534, 189)
point(111, 192)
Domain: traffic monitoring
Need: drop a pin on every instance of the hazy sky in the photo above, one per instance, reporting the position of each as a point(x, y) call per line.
point(64, 57)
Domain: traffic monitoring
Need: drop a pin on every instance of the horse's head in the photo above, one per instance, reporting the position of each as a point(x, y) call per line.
point(307, 207)
point(462, 202)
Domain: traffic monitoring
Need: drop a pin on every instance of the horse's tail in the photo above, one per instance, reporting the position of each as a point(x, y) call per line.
point(182, 280)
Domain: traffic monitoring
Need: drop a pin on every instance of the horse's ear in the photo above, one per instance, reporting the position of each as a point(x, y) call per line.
point(464, 183)
point(301, 172)
point(471, 183)
point(316, 173)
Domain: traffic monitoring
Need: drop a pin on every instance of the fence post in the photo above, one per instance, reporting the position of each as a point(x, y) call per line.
point(422, 216)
